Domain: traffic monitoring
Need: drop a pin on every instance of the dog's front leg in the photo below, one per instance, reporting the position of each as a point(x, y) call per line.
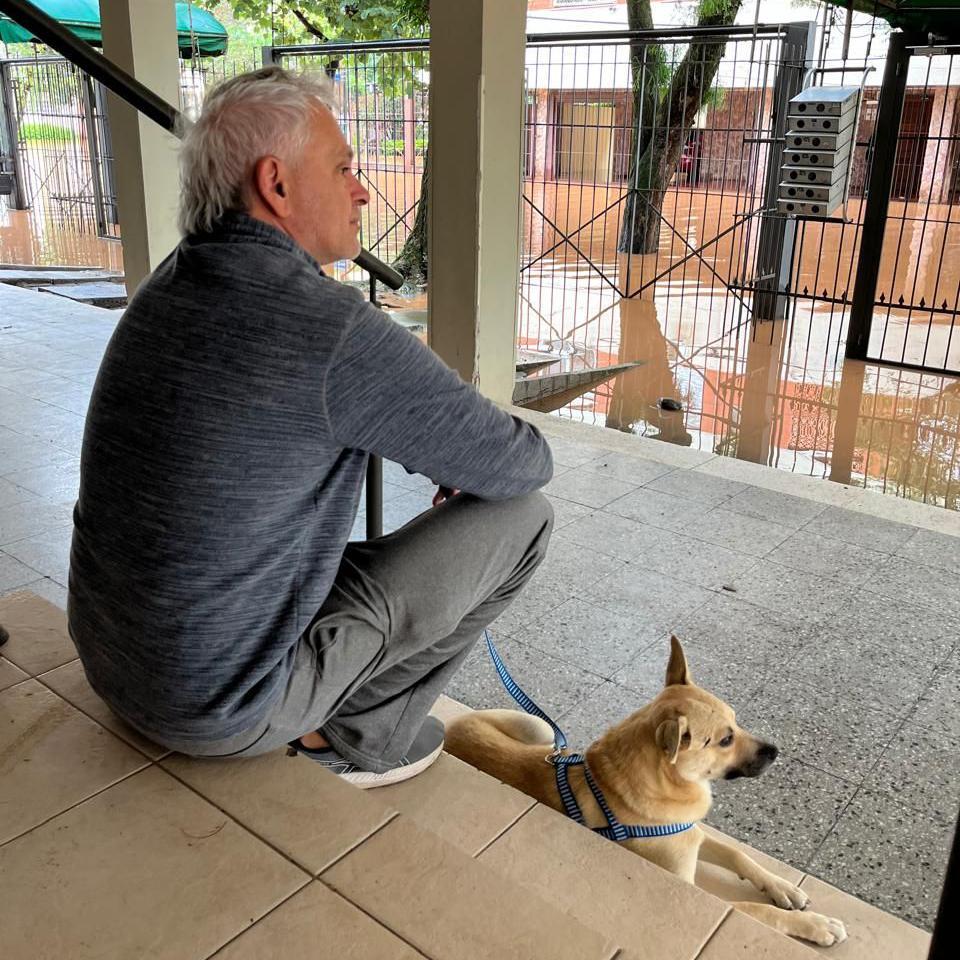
point(781, 892)
point(815, 927)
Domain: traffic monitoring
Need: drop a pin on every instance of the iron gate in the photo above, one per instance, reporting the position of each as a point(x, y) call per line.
point(56, 150)
point(60, 144)
point(906, 301)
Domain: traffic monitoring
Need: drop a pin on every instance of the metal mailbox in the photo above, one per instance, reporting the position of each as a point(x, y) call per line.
point(821, 124)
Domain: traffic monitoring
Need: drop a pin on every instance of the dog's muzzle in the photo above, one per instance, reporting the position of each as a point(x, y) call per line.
point(765, 755)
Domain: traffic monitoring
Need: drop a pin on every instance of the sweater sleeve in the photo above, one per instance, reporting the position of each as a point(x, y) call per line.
point(388, 394)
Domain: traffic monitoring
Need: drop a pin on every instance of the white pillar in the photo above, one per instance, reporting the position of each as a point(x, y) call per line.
point(476, 124)
point(141, 37)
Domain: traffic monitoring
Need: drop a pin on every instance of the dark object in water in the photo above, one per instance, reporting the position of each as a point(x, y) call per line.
point(668, 403)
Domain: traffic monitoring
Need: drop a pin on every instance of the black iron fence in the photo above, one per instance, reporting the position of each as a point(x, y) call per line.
point(908, 302)
point(56, 145)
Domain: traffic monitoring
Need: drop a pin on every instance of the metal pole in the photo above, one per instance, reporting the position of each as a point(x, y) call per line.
point(883, 156)
point(374, 468)
point(93, 151)
point(946, 930)
point(8, 117)
point(778, 234)
point(374, 497)
point(132, 91)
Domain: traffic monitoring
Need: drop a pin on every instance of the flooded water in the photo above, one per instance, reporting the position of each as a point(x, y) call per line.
point(37, 237)
point(777, 393)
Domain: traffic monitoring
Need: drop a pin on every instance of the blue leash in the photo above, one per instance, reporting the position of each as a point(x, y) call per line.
point(561, 760)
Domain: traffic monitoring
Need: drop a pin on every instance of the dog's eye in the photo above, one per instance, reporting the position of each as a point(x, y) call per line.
point(727, 740)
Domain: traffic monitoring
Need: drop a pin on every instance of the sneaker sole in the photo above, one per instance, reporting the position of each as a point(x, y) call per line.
point(368, 781)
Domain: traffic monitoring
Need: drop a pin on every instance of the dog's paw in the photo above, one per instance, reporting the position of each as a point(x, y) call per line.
point(824, 931)
point(785, 894)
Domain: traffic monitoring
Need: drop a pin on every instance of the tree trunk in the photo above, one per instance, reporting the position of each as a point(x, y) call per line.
point(411, 262)
point(646, 60)
point(655, 160)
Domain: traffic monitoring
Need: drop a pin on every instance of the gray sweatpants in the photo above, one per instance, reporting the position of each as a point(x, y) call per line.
point(401, 618)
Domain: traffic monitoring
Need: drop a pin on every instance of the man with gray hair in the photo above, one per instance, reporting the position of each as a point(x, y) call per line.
point(215, 600)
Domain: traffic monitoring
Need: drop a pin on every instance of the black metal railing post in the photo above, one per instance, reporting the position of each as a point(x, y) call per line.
point(775, 244)
point(374, 497)
point(883, 153)
point(8, 135)
point(946, 929)
point(374, 467)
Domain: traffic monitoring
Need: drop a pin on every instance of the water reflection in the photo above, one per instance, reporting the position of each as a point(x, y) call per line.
point(774, 393)
point(41, 237)
point(636, 400)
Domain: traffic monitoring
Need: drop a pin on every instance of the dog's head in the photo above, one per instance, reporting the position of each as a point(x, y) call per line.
point(697, 732)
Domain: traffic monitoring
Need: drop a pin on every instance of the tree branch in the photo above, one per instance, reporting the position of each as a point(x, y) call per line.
point(306, 23)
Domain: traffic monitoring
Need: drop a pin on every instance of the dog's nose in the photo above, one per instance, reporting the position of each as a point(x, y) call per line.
point(768, 752)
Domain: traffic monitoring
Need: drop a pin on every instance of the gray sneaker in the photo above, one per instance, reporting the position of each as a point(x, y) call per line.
point(426, 747)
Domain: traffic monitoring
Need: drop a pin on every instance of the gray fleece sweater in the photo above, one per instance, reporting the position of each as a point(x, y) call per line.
point(225, 449)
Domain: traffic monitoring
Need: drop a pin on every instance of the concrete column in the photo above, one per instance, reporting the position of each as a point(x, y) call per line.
point(476, 128)
point(141, 37)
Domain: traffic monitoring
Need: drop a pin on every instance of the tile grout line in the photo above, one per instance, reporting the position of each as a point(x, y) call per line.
point(380, 923)
point(394, 815)
point(714, 932)
point(259, 919)
point(473, 857)
point(486, 846)
point(313, 876)
point(861, 787)
point(39, 678)
point(127, 776)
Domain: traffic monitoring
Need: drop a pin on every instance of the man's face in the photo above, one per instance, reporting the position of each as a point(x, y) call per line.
point(325, 194)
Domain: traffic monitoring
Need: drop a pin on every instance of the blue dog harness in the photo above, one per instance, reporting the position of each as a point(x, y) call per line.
point(561, 760)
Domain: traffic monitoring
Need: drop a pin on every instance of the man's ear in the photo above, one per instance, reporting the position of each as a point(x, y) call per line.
point(677, 670)
point(670, 736)
point(271, 185)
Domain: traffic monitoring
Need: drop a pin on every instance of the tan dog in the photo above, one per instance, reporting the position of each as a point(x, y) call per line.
point(653, 768)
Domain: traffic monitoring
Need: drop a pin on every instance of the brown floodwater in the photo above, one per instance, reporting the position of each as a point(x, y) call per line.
point(39, 237)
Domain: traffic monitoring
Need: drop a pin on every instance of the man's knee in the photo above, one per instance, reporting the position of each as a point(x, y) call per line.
point(541, 510)
point(535, 520)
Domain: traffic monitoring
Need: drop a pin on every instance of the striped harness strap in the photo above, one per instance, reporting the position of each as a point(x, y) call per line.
point(561, 760)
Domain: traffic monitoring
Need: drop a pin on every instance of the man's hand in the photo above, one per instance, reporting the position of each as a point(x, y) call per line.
point(444, 493)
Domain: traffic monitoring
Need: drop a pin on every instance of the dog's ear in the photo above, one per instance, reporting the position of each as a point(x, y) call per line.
point(677, 670)
point(670, 735)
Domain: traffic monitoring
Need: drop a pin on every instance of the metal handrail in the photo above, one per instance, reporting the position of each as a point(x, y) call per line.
point(140, 97)
point(540, 39)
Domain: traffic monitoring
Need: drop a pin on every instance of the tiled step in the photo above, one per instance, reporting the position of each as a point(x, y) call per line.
point(148, 852)
point(25, 275)
point(101, 294)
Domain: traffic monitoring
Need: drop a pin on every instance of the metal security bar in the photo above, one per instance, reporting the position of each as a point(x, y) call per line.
point(60, 146)
point(623, 265)
point(59, 143)
point(907, 301)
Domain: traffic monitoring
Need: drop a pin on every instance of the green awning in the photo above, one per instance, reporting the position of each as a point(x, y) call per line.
point(197, 30)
